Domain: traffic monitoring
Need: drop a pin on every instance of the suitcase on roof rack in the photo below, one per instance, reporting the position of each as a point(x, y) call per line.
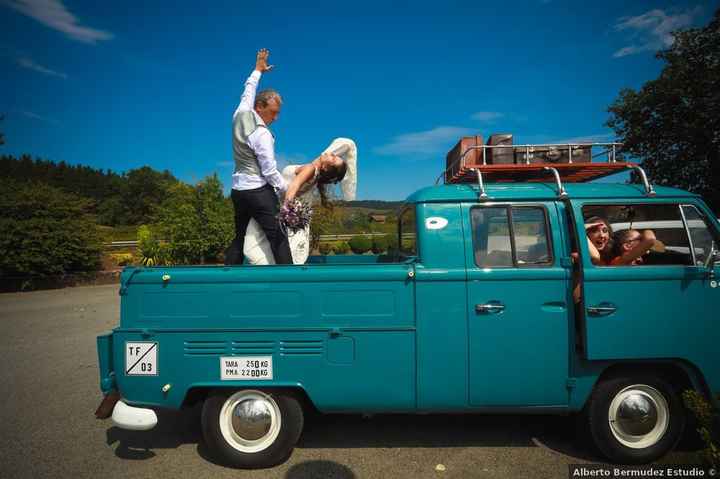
point(473, 157)
point(552, 154)
point(500, 156)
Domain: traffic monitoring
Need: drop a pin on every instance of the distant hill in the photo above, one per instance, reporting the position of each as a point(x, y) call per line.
point(377, 205)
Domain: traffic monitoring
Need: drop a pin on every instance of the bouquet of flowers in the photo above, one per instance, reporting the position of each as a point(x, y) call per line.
point(294, 216)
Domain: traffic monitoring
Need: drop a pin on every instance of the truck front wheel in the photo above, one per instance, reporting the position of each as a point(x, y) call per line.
point(635, 420)
point(249, 428)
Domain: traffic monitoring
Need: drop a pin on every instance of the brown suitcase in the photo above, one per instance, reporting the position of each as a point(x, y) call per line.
point(500, 156)
point(472, 158)
point(549, 154)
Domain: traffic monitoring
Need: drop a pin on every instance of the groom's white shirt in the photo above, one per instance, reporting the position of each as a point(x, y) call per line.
point(262, 143)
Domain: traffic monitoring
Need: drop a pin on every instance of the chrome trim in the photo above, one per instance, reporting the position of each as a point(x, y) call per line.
point(483, 194)
point(639, 416)
point(687, 232)
point(561, 189)
point(601, 310)
point(489, 308)
point(649, 191)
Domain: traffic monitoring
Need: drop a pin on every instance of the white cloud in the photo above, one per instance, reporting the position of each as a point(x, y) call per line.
point(439, 139)
point(53, 14)
point(652, 30)
point(32, 65)
point(487, 116)
point(35, 116)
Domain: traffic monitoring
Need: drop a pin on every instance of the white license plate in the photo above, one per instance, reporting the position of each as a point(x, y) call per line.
point(246, 368)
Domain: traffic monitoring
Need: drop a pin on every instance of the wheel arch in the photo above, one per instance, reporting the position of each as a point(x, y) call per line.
point(196, 394)
point(679, 373)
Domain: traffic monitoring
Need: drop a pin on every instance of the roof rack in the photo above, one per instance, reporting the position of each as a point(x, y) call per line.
point(531, 165)
point(531, 171)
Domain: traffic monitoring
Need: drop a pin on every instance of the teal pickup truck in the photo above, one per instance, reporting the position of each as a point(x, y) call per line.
point(491, 305)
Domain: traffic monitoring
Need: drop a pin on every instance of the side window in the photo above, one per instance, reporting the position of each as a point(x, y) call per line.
point(408, 232)
point(510, 236)
point(701, 238)
point(637, 235)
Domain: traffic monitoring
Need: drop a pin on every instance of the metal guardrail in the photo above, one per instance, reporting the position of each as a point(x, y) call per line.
point(133, 244)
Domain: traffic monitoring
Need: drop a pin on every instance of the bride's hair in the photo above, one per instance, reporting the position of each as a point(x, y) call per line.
point(331, 175)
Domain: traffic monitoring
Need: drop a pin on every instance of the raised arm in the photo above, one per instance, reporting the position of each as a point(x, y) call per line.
point(647, 241)
point(247, 100)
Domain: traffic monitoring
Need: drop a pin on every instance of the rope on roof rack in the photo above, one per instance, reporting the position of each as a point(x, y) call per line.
point(561, 189)
point(649, 191)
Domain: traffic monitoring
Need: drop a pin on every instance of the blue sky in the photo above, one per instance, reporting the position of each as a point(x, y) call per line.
point(120, 85)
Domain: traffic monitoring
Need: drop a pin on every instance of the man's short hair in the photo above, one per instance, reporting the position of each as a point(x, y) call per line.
point(264, 96)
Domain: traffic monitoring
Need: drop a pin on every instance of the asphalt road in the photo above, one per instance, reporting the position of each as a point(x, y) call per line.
point(50, 379)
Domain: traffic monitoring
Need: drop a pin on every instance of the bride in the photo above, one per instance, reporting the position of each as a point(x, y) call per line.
point(338, 163)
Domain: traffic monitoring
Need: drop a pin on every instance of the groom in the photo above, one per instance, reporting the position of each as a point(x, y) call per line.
point(256, 177)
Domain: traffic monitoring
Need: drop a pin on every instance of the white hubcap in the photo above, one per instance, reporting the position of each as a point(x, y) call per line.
point(639, 416)
point(250, 421)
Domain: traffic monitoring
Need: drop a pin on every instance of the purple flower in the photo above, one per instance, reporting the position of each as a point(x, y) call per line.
point(294, 216)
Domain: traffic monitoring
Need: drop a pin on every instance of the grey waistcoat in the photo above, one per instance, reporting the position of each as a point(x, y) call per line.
point(245, 158)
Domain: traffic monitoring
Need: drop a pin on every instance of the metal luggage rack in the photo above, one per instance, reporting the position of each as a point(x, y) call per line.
point(461, 171)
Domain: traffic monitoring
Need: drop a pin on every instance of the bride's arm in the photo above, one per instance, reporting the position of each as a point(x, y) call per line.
point(306, 173)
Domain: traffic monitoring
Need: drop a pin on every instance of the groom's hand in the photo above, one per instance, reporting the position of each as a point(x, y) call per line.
point(261, 63)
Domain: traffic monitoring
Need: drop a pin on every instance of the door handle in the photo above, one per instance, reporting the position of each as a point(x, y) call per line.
point(490, 308)
point(603, 309)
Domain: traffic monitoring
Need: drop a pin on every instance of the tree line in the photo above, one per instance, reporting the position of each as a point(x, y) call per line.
point(128, 198)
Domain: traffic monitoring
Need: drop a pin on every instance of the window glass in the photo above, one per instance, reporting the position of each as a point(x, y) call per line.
point(631, 227)
point(496, 244)
point(491, 237)
point(702, 240)
point(408, 232)
point(530, 236)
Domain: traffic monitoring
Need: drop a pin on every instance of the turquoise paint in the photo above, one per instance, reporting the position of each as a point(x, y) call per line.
point(519, 356)
point(538, 192)
point(373, 334)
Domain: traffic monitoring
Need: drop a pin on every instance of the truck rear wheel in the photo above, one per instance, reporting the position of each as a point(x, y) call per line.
point(635, 420)
point(249, 428)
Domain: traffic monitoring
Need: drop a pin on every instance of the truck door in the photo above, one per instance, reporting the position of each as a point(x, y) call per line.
point(664, 307)
point(518, 301)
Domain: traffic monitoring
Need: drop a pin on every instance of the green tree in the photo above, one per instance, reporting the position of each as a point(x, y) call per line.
point(360, 244)
point(325, 220)
point(143, 193)
point(380, 244)
point(342, 247)
point(672, 122)
point(197, 221)
point(45, 231)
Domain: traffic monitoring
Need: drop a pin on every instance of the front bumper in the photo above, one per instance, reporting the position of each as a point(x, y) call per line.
point(133, 418)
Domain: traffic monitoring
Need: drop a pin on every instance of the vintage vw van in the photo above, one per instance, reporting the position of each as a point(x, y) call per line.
point(492, 305)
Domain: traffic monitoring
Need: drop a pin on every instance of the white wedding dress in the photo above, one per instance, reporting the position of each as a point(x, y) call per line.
point(257, 248)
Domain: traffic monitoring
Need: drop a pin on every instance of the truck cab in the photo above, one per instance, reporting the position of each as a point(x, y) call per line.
point(492, 304)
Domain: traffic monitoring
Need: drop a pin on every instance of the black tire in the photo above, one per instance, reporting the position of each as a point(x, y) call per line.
point(617, 441)
point(272, 448)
